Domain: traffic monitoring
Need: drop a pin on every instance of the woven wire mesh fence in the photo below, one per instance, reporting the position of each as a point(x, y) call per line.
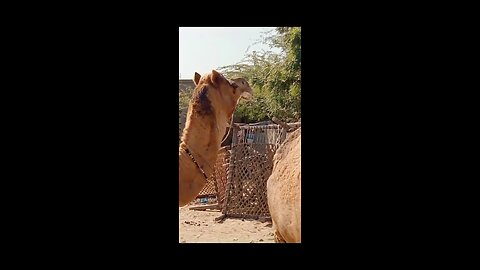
point(209, 190)
point(221, 173)
point(250, 165)
point(216, 184)
point(239, 182)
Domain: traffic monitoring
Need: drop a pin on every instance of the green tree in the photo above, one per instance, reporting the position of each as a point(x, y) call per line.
point(274, 77)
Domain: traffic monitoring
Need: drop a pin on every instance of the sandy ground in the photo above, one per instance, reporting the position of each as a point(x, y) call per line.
point(201, 227)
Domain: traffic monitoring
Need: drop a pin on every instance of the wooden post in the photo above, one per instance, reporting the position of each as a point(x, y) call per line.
point(234, 135)
point(231, 167)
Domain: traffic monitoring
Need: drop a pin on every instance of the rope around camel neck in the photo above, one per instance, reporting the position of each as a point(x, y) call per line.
point(231, 122)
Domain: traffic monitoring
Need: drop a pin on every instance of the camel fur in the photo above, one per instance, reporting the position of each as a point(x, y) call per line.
point(284, 190)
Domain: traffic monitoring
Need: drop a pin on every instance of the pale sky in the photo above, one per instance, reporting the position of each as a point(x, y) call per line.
point(202, 49)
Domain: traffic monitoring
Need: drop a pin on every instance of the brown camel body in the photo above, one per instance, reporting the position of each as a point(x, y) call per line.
point(211, 108)
point(283, 190)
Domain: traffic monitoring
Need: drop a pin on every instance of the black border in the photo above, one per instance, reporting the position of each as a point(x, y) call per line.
point(102, 127)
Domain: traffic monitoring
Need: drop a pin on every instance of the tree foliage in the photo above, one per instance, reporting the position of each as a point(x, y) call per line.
point(184, 99)
point(275, 78)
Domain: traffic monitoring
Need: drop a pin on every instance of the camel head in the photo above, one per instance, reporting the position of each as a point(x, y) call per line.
point(240, 84)
point(228, 91)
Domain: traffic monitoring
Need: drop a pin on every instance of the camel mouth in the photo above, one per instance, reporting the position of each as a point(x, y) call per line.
point(246, 95)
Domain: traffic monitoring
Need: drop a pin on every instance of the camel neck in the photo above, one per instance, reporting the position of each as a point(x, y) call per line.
point(203, 134)
point(202, 141)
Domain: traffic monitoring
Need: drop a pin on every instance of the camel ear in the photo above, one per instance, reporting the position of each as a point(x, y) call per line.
point(217, 78)
point(196, 78)
point(233, 84)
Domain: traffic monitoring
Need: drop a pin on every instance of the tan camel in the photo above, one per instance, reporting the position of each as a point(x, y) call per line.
point(283, 190)
point(211, 108)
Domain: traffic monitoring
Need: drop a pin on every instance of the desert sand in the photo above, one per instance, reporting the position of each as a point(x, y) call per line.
point(201, 227)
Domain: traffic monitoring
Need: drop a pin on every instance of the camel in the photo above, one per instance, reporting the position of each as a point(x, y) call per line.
point(211, 108)
point(283, 190)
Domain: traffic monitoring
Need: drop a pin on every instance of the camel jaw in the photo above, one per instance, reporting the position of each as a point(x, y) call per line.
point(246, 95)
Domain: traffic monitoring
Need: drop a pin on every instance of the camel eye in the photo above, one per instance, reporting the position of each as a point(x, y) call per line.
point(243, 82)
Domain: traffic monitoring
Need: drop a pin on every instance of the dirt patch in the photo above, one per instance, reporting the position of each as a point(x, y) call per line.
point(201, 227)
